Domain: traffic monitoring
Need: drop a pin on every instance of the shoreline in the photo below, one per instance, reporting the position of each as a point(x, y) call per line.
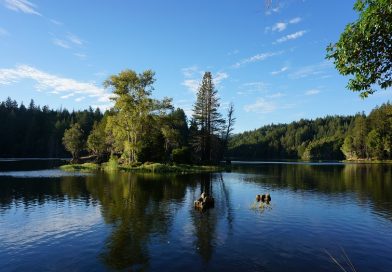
point(144, 168)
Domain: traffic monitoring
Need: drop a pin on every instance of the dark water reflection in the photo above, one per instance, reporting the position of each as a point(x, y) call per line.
point(122, 221)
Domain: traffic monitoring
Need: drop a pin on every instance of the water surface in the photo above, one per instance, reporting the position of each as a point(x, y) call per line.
point(122, 221)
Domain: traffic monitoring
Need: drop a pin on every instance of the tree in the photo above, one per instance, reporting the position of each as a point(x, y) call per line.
point(96, 141)
point(132, 111)
point(229, 125)
point(364, 48)
point(73, 141)
point(209, 121)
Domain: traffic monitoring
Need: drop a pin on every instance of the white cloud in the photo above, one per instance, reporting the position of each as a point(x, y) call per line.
point(311, 70)
point(219, 77)
point(80, 55)
point(67, 96)
point(191, 84)
point(276, 95)
point(312, 92)
point(283, 69)
point(56, 22)
point(80, 98)
point(193, 77)
point(61, 43)
point(3, 32)
point(54, 84)
point(21, 6)
point(74, 39)
point(260, 106)
point(190, 71)
point(279, 26)
point(256, 58)
point(292, 36)
point(295, 20)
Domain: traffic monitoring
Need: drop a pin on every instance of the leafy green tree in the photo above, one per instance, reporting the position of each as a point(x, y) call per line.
point(364, 48)
point(96, 141)
point(374, 144)
point(132, 111)
point(73, 141)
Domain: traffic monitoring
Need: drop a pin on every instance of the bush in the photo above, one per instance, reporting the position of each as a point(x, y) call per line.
point(181, 155)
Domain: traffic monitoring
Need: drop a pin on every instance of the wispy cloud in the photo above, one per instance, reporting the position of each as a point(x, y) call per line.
point(56, 22)
point(190, 71)
point(312, 92)
point(22, 6)
point(80, 98)
point(292, 36)
point(280, 26)
point(311, 70)
point(295, 20)
point(252, 88)
point(61, 43)
point(191, 84)
point(219, 77)
point(256, 58)
point(3, 32)
point(261, 106)
point(80, 55)
point(193, 76)
point(67, 96)
point(276, 95)
point(282, 70)
point(74, 39)
point(53, 83)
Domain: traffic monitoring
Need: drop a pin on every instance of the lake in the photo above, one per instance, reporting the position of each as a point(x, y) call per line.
point(51, 220)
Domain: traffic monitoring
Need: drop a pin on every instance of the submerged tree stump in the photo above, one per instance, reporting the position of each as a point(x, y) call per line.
point(204, 202)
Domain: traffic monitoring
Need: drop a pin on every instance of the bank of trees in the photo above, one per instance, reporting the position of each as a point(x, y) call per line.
point(34, 131)
point(140, 128)
point(329, 138)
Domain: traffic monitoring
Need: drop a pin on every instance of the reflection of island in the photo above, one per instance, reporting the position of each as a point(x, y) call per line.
point(137, 206)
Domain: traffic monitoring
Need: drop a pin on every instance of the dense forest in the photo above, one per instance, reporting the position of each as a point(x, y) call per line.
point(33, 131)
point(329, 138)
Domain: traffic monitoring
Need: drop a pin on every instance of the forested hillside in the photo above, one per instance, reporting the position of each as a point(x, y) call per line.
point(328, 138)
point(33, 131)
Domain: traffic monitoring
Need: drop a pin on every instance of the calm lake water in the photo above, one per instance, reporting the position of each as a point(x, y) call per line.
point(51, 220)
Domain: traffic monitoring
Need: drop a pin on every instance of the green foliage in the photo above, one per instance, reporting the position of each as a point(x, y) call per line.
point(303, 139)
point(73, 140)
point(133, 111)
point(85, 167)
point(364, 48)
point(181, 155)
point(96, 141)
point(324, 149)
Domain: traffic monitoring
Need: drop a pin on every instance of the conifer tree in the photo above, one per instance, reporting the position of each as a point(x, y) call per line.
point(207, 117)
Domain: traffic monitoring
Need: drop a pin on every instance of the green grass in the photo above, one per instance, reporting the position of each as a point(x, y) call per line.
point(113, 165)
point(175, 168)
point(85, 167)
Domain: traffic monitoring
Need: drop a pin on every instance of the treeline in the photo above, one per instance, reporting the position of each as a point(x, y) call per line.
point(329, 138)
point(33, 131)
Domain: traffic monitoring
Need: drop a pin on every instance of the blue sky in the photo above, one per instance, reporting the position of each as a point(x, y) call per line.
point(270, 62)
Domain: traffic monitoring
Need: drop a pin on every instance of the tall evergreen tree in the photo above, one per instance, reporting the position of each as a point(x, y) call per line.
point(207, 117)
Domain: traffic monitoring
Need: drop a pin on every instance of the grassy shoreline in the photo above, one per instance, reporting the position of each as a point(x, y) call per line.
point(144, 168)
